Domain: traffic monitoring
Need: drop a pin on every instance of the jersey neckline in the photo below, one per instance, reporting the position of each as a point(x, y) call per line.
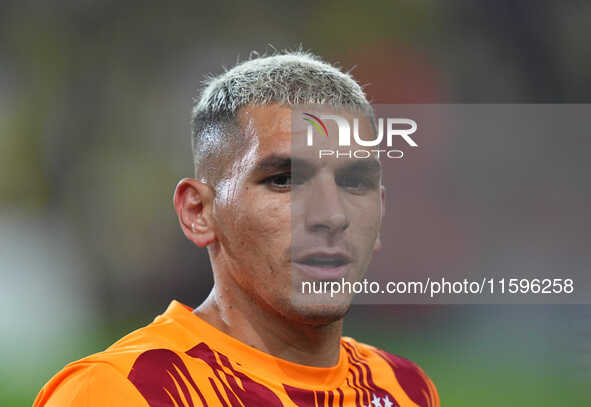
point(256, 361)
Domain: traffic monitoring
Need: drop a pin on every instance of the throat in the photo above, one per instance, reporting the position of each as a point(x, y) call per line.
point(269, 332)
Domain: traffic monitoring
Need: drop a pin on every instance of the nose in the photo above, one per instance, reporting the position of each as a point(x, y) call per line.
point(325, 209)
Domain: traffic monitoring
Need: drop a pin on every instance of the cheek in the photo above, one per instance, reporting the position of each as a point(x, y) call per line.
point(366, 218)
point(262, 226)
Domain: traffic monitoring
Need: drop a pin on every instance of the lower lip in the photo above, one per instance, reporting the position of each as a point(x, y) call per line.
point(322, 273)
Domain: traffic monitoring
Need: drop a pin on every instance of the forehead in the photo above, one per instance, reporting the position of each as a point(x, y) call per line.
point(278, 128)
point(269, 125)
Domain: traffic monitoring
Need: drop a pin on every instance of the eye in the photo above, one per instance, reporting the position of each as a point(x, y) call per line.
point(279, 181)
point(356, 183)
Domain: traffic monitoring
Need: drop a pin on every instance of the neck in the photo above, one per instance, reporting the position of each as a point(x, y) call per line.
point(232, 311)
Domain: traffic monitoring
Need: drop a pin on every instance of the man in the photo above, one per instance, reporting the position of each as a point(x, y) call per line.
point(272, 217)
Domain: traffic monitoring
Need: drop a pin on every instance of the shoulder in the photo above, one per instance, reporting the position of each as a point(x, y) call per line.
point(110, 377)
point(88, 383)
point(414, 381)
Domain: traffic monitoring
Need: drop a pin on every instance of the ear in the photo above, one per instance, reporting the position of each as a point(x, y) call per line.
point(193, 202)
point(378, 244)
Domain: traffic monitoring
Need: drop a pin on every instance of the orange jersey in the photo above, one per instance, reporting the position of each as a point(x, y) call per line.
point(181, 360)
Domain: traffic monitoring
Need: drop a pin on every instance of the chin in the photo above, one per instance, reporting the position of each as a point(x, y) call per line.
point(318, 310)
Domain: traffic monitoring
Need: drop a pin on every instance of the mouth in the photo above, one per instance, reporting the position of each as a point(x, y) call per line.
point(324, 265)
point(324, 260)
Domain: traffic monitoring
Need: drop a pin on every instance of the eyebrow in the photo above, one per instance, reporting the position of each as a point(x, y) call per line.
point(367, 166)
point(276, 163)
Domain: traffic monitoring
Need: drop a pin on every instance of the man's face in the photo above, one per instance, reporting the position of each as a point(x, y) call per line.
point(284, 216)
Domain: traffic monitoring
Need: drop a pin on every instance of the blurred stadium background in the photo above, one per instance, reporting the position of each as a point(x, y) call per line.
point(95, 100)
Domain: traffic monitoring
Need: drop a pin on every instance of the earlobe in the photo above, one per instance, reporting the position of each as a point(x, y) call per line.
point(377, 245)
point(192, 202)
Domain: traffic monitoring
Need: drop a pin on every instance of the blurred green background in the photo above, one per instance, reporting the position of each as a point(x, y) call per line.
point(95, 99)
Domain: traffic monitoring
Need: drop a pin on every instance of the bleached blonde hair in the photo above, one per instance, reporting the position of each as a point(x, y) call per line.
point(291, 77)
